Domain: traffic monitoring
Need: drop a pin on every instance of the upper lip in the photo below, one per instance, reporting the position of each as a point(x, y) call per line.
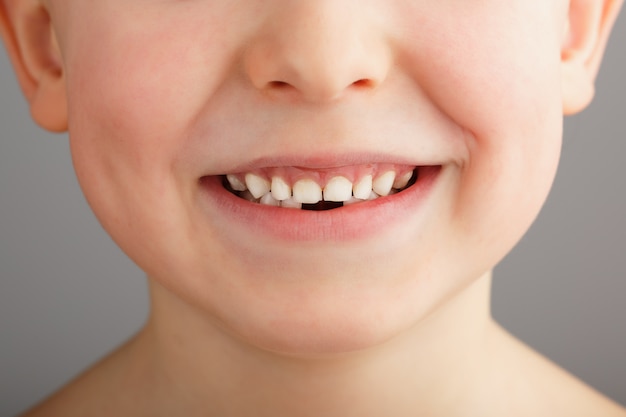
point(328, 161)
point(346, 134)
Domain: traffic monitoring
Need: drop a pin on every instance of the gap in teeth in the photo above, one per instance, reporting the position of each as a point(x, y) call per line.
point(320, 190)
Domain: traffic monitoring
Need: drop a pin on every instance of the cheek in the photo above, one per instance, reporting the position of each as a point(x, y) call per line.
point(497, 76)
point(138, 96)
point(131, 105)
point(135, 87)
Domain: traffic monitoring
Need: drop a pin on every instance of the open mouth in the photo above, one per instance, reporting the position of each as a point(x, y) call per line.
point(306, 189)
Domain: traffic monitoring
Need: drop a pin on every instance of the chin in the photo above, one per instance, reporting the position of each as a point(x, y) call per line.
point(336, 317)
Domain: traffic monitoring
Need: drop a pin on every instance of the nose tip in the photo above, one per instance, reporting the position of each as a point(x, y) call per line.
point(317, 55)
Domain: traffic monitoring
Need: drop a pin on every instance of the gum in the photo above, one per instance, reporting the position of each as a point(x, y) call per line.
point(353, 173)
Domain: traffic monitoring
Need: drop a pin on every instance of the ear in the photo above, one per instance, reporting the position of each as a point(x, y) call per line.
point(588, 27)
point(27, 32)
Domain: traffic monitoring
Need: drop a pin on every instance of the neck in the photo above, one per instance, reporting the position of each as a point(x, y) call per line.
point(428, 370)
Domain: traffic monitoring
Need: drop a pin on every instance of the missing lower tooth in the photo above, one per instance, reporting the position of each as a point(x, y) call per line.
point(322, 205)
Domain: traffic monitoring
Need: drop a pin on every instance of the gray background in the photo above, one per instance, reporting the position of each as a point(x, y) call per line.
point(68, 295)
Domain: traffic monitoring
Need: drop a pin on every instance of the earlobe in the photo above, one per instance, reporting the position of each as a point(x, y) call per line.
point(587, 32)
point(26, 30)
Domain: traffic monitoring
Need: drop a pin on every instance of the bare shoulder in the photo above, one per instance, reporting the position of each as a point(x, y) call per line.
point(523, 383)
point(538, 387)
point(94, 393)
point(76, 398)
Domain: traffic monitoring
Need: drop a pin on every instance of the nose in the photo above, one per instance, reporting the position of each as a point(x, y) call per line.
point(318, 51)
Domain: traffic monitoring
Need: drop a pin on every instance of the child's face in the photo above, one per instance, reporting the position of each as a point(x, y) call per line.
point(165, 97)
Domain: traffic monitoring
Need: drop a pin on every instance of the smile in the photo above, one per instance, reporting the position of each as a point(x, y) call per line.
point(320, 204)
point(299, 188)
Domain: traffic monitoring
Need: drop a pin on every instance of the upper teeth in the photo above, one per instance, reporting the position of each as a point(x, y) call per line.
point(363, 188)
point(338, 189)
point(280, 189)
point(402, 180)
point(382, 185)
point(277, 191)
point(307, 192)
point(258, 186)
point(235, 183)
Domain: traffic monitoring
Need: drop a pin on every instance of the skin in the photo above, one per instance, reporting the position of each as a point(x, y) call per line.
point(158, 94)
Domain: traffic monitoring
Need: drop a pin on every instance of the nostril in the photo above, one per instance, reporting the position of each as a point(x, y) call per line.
point(320, 92)
point(280, 85)
point(363, 83)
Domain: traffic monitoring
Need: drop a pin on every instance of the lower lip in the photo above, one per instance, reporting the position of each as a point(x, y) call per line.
point(355, 221)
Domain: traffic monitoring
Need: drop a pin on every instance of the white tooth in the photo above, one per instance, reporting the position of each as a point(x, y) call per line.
point(247, 195)
point(382, 185)
point(373, 196)
point(235, 183)
point(363, 188)
point(280, 189)
point(402, 181)
point(268, 200)
point(353, 200)
point(258, 186)
point(291, 203)
point(307, 192)
point(338, 189)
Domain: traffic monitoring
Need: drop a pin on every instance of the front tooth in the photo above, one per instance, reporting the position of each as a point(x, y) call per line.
point(258, 186)
point(268, 200)
point(307, 192)
point(291, 203)
point(402, 181)
point(382, 185)
point(363, 188)
point(280, 189)
point(338, 189)
point(235, 183)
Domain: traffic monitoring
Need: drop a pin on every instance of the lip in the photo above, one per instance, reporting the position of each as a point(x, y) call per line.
point(325, 161)
point(356, 221)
